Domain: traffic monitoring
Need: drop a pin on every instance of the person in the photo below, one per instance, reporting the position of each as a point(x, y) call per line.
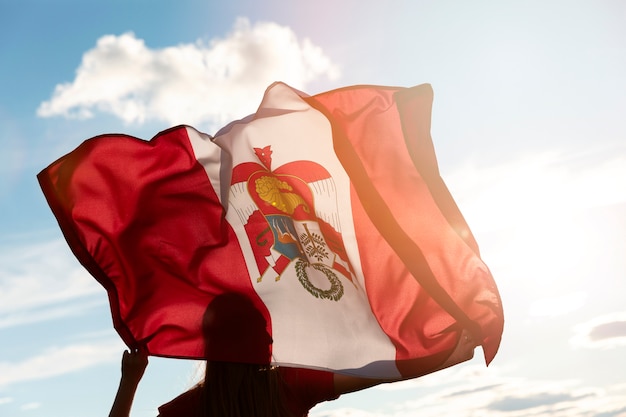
point(251, 387)
point(235, 389)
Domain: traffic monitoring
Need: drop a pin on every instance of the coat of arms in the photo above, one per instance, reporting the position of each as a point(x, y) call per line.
point(289, 215)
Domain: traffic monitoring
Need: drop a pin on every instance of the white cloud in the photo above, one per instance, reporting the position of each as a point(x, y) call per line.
point(61, 360)
point(548, 185)
point(5, 400)
point(188, 83)
point(557, 306)
point(43, 281)
point(604, 332)
point(22, 317)
point(30, 406)
point(504, 396)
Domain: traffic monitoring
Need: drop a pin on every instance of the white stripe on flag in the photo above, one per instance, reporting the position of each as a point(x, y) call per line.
point(306, 330)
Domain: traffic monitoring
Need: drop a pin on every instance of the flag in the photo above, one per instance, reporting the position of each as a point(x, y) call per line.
point(326, 212)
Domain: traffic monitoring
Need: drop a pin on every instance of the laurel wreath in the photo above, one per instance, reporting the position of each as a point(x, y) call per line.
point(335, 292)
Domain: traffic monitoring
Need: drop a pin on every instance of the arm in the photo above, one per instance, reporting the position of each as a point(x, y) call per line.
point(464, 351)
point(133, 366)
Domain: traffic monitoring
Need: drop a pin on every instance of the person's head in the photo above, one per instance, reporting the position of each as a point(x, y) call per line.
point(236, 331)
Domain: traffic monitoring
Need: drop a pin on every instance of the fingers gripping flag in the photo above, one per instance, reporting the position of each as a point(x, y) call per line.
point(327, 213)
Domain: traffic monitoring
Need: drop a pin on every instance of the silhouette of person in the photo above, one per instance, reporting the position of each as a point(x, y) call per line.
point(239, 378)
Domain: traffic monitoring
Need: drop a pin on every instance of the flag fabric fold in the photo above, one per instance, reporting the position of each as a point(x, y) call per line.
point(326, 212)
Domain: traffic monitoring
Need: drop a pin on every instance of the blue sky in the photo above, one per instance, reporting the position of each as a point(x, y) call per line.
point(529, 128)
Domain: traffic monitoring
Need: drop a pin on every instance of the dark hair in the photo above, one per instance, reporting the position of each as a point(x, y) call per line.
point(242, 390)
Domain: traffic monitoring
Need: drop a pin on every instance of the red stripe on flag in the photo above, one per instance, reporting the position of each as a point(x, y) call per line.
point(371, 144)
point(143, 219)
point(415, 116)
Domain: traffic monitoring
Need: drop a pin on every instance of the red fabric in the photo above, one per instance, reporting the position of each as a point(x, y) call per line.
point(303, 389)
point(307, 387)
point(141, 216)
point(428, 259)
point(147, 223)
point(185, 405)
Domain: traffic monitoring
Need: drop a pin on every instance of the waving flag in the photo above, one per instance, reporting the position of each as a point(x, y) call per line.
point(327, 212)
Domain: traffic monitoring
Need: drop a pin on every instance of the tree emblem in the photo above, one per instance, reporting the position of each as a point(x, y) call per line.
point(313, 245)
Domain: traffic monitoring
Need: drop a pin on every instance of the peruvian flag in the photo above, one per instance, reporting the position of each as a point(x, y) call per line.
point(327, 213)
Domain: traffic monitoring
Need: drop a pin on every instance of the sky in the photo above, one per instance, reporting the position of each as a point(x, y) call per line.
point(529, 129)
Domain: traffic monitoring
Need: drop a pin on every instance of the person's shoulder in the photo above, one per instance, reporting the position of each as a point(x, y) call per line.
point(305, 376)
point(304, 388)
point(186, 404)
point(313, 385)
